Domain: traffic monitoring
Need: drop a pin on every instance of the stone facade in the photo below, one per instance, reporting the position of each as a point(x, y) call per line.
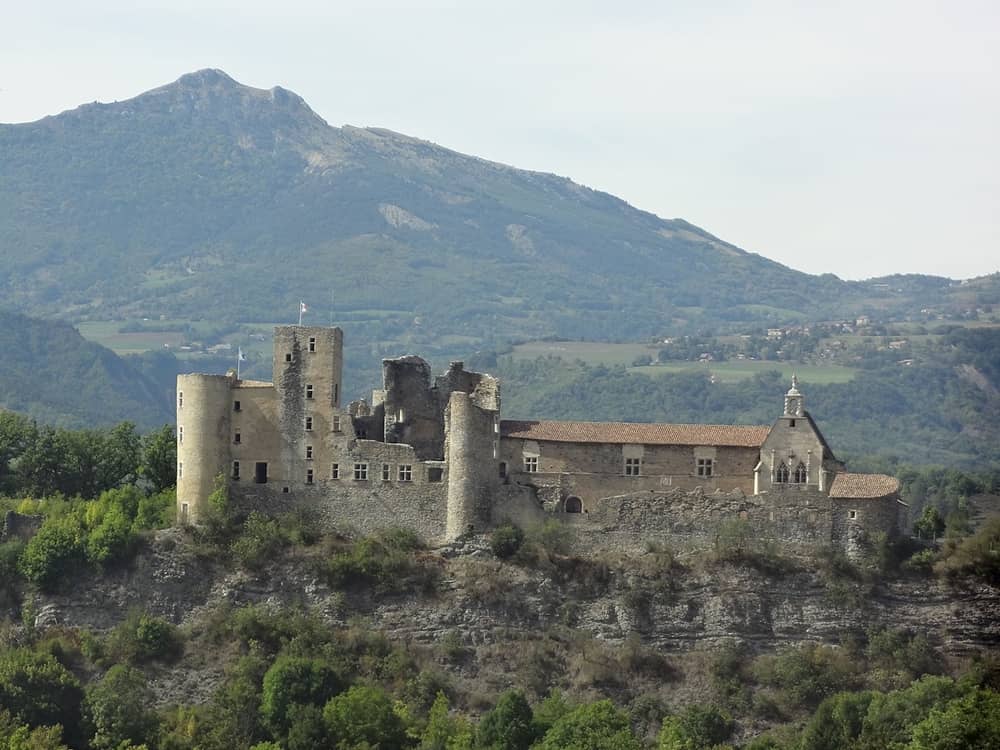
point(432, 454)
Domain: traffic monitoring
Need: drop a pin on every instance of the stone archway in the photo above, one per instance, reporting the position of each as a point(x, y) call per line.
point(574, 504)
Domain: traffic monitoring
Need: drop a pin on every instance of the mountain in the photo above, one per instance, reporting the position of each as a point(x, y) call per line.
point(207, 199)
point(50, 372)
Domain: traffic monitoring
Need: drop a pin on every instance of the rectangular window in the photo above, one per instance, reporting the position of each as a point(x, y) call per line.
point(180, 399)
point(705, 467)
point(335, 471)
point(312, 343)
point(309, 423)
point(852, 514)
point(236, 436)
point(405, 473)
point(336, 423)
point(260, 472)
point(531, 464)
point(435, 474)
point(236, 405)
point(336, 393)
point(309, 391)
point(180, 469)
point(236, 469)
point(361, 472)
point(385, 472)
point(180, 434)
point(309, 476)
point(633, 467)
point(309, 452)
point(288, 357)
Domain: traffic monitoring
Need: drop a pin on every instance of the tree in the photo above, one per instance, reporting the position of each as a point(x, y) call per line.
point(159, 458)
point(968, 723)
point(291, 680)
point(363, 714)
point(598, 726)
point(930, 525)
point(117, 708)
point(53, 552)
point(837, 723)
point(508, 725)
point(38, 691)
point(696, 728)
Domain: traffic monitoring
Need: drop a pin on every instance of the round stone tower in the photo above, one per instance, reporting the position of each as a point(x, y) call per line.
point(203, 427)
point(471, 463)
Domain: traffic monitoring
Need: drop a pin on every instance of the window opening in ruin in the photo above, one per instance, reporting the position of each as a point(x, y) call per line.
point(791, 422)
point(236, 437)
point(336, 393)
point(801, 474)
point(288, 357)
point(180, 469)
point(633, 467)
point(405, 473)
point(309, 476)
point(385, 472)
point(852, 514)
point(531, 464)
point(574, 505)
point(180, 399)
point(312, 343)
point(781, 475)
point(309, 423)
point(260, 472)
point(236, 405)
point(336, 424)
point(180, 434)
point(236, 469)
point(361, 472)
point(309, 452)
point(503, 469)
point(335, 471)
point(435, 474)
point(184, 513)
point(284, 490)
point(309, 391)
point(400, 415)
point(705, 467)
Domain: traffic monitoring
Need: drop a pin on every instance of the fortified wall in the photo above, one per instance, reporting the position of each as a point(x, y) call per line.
point(431, 454)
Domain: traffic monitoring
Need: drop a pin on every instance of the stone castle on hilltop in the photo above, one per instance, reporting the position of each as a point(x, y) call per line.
point(433, 455)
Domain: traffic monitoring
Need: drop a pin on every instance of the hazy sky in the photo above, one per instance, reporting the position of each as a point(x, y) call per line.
point(856, 138)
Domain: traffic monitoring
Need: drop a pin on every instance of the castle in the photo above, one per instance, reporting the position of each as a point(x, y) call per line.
point(433, 455)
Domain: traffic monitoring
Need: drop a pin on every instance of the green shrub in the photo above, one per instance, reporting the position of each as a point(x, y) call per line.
point(111, 539)
point(697, 727)
point(295, 680)
point(506, 540)
point(385, 562)
point(977, 555)
point(260, 540)
point(804, 676)
point(54, 553)
point(141, 637)
point(363, 717)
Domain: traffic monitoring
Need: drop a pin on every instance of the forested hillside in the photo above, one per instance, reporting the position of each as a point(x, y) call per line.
point(48, 371)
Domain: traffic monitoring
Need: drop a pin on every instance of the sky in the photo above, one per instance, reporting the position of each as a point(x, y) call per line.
point(854, 138)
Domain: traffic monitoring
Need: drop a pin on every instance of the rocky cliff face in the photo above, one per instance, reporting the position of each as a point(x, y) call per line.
point(503, 622)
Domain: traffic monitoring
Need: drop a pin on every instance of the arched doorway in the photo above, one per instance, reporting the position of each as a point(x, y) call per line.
point(574, 505)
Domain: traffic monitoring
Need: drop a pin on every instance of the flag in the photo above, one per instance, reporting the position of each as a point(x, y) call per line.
point(240, 355)
point(302, 307)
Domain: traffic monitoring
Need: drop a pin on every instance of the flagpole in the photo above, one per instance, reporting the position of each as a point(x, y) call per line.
point(238, 358)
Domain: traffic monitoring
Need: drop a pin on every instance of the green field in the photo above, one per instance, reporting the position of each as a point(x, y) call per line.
point(105, 333)
point(593, 353)
point(735, 370)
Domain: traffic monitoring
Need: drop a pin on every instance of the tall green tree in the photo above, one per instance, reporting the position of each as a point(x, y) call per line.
point(159, 458)
point(508, 726)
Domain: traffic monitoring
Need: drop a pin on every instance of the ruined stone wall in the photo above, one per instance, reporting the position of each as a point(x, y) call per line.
point(693, 519)
point(19, 526)
point(360, 507)
point(592, 471)
point(412, 414)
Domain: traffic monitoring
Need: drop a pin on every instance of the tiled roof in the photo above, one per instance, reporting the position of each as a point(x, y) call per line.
point(861, 486)
point(740, 436)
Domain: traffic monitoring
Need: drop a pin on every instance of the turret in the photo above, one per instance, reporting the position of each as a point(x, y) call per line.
point(203, 413)
point(469, 451)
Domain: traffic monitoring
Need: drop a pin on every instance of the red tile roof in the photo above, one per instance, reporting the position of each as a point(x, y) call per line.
point(740, 436)
point(863, 486)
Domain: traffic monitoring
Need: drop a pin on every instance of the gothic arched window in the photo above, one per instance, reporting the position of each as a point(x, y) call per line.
point(781, 474)
point(801, 475)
